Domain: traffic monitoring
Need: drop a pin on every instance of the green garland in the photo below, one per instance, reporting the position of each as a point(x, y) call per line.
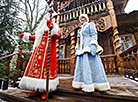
point(89, 14)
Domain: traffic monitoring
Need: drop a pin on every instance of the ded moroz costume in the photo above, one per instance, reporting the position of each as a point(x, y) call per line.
point(35, 74)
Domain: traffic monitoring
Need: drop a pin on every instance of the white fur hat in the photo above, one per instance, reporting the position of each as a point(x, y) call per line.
point(84, 15)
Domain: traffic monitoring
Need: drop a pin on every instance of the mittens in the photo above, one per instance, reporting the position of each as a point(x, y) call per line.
point(93, 49)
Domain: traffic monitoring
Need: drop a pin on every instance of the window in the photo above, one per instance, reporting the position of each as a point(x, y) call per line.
point(61, 51)
point(127, 41)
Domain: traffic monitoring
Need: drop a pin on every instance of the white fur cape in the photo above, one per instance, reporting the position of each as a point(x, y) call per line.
point(42, 27)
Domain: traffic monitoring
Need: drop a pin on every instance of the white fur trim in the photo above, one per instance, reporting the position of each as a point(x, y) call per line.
point(91, 87)
point(42, 27)
point(102, 86)
point(54, 20)
point(77, 46)
point(77, 85)
point(99, 48)
point(85, 49)
point(81, 36)
point(26, 36)
point(85, 88)
point(55, 29)
point(38, 84)
point(88, 88)
point(39, 32)
point(84, 15)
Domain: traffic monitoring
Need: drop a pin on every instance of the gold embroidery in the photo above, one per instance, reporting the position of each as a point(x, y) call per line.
point(39, 57)
point(35, 64)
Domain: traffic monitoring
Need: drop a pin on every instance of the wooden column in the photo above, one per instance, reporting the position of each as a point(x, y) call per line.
point(1, 83)
point(73, 14)
point(80, 11)
point(67, 16)
point(99, 3)
point(64, 17)
point(95, 7)
point(61, 17)
point(24, 63)
point(103, 2)
point(58, 21)
point(70, 15)
point(77, 13)
point(6, 79)
point(91, 8)
point(84, 10)
point(72, 61)
point(88, 11)
point(72, 44)
point(16, 74)
point(116, 39)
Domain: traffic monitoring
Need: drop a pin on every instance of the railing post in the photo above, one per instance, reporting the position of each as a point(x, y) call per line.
point(136, 62)
point(24, 63)
point(72, 52)
point(104, 7)
point(1, 83)
point(114, 65)
point(130, 62)
point(91, 8)
point(16, 74)
point(6, 79)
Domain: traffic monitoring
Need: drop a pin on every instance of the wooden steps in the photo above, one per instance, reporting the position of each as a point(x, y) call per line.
point(65, 93)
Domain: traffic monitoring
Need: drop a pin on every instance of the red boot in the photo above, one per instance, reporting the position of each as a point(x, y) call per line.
point(33, 93)
point(44, 96)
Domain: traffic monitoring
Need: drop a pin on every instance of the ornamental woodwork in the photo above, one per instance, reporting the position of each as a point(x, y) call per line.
point(100, 23)
point(69, 28)
point(103, 20)
point(103, 23)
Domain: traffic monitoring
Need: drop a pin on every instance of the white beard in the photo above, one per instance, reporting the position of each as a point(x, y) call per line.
point(40, 30)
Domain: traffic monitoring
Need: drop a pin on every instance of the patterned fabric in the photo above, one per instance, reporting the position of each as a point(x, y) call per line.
point(35, 74)
point(37, 66)
point(89, 71)
point(88, 36)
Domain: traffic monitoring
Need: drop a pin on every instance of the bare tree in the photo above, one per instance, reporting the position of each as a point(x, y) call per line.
point(32, 12)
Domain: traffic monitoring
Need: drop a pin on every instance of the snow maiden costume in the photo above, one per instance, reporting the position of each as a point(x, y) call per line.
point(35, 74)
point(89, 71)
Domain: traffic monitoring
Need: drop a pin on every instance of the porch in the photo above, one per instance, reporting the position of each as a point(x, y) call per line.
point(122, 90)
point(117, 69)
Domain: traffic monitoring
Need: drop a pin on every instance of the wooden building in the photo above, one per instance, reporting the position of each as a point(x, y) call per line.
point(115, 34)
point(102, 12)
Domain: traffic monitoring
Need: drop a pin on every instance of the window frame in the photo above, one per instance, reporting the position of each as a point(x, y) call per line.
point(123, 43)
point(63, 50)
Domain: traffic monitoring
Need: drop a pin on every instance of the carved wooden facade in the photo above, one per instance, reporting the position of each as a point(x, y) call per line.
point(101, 12)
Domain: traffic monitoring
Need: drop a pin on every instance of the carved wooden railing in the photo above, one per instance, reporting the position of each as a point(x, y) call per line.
point(65, 66)
point(130, 62)
point(90, 8)
point(8, 59)
point(109, 63)
point(16, 73)
point(6, 78)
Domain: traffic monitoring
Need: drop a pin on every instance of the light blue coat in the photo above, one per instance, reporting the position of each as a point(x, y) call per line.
point(89, 71)
point(88, 37)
